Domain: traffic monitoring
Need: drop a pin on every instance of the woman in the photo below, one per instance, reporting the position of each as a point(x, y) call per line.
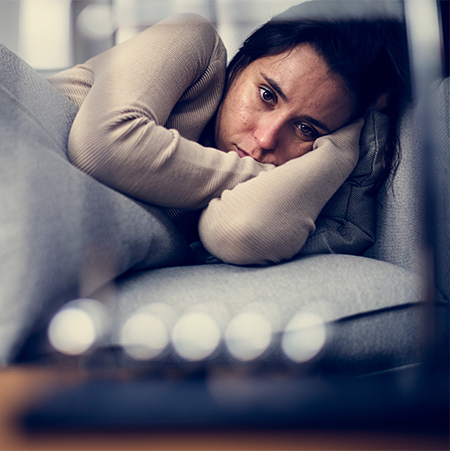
point(160, 122)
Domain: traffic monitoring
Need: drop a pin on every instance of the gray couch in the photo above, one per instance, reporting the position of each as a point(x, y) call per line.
point(65, 236)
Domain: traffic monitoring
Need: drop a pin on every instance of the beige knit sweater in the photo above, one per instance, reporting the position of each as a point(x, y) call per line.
point(143, 105)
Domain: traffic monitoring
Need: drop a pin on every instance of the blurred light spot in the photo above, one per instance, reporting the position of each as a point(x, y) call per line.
point(423, 18)
point(76, 327)
point(144, 336)
point(248, 335)
point(96, 21)
point(195, 336)
point(304, 337)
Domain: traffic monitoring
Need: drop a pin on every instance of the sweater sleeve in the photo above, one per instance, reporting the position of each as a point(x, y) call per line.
point(171, 75)
point(268, 219)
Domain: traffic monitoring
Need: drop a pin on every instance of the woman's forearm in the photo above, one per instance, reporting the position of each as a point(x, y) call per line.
point(133, 155)
point(268, 219)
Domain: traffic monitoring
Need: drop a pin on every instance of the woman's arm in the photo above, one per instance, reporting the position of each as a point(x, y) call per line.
point(171, 75)
point(268, 219)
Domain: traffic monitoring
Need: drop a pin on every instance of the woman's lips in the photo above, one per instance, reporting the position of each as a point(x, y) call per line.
point(241, 153)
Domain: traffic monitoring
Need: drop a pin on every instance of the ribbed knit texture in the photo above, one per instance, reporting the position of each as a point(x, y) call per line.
point(143, 105)
point(269, 218)
point(149, 100)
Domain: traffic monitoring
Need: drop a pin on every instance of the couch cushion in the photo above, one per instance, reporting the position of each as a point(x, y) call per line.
point(62, 234)
point(372, 310)
point(334, 286)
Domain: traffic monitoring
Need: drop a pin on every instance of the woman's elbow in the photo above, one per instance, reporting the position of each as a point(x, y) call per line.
point(238, 243)
point(82, 157)
point(87, 151)
point(104, 150)
point(228, 247)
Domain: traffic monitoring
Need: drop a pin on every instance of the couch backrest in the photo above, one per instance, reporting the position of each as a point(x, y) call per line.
point(400, 204)
point(401, 209)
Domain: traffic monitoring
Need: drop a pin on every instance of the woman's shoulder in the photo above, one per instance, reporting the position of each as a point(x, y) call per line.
point(190, 20)
point(175, 51)
point(186, 31)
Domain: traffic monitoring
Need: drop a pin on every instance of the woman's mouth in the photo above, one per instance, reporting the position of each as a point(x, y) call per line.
point(241, 153)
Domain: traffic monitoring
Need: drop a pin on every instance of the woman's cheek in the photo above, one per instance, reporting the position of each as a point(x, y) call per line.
point(297, 151)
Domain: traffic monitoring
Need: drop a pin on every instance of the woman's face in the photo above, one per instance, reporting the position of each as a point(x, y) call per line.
point(278, 105)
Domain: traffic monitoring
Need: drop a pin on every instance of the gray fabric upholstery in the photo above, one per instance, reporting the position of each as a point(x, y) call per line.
point(62, 234)
point(34, 96)
point(384, 339)
point(322, 284)
point(442, 166)
point(401, 207)
point(335, 287)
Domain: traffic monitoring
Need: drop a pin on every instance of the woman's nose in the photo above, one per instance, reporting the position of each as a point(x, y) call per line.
point(267, 132)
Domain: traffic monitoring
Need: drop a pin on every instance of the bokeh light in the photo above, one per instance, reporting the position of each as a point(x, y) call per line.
point(77, 326)
point(144, 335)
point(195, 336)
point(248, 335)
point(304, 337)
point(96, 21)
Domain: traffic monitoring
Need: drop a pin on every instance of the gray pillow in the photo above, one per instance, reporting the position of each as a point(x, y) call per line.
point(62, 234)
point(371, 309)
point(347, 223)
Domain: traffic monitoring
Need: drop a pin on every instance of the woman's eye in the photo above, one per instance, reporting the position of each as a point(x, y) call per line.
point(307, 130)
point(267, 95)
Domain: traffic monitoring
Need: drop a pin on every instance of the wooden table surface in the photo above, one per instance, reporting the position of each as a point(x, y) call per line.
point(21, 385)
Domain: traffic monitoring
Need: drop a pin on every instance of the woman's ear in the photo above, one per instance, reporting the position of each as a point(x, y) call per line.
point(382, 102)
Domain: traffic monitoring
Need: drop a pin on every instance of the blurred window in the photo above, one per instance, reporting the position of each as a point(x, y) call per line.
point(44, 33)
point(51, 35)
point(234, 19)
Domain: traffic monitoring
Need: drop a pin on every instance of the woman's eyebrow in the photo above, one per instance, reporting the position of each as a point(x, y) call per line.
point(317, 123)
point(276, 87)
